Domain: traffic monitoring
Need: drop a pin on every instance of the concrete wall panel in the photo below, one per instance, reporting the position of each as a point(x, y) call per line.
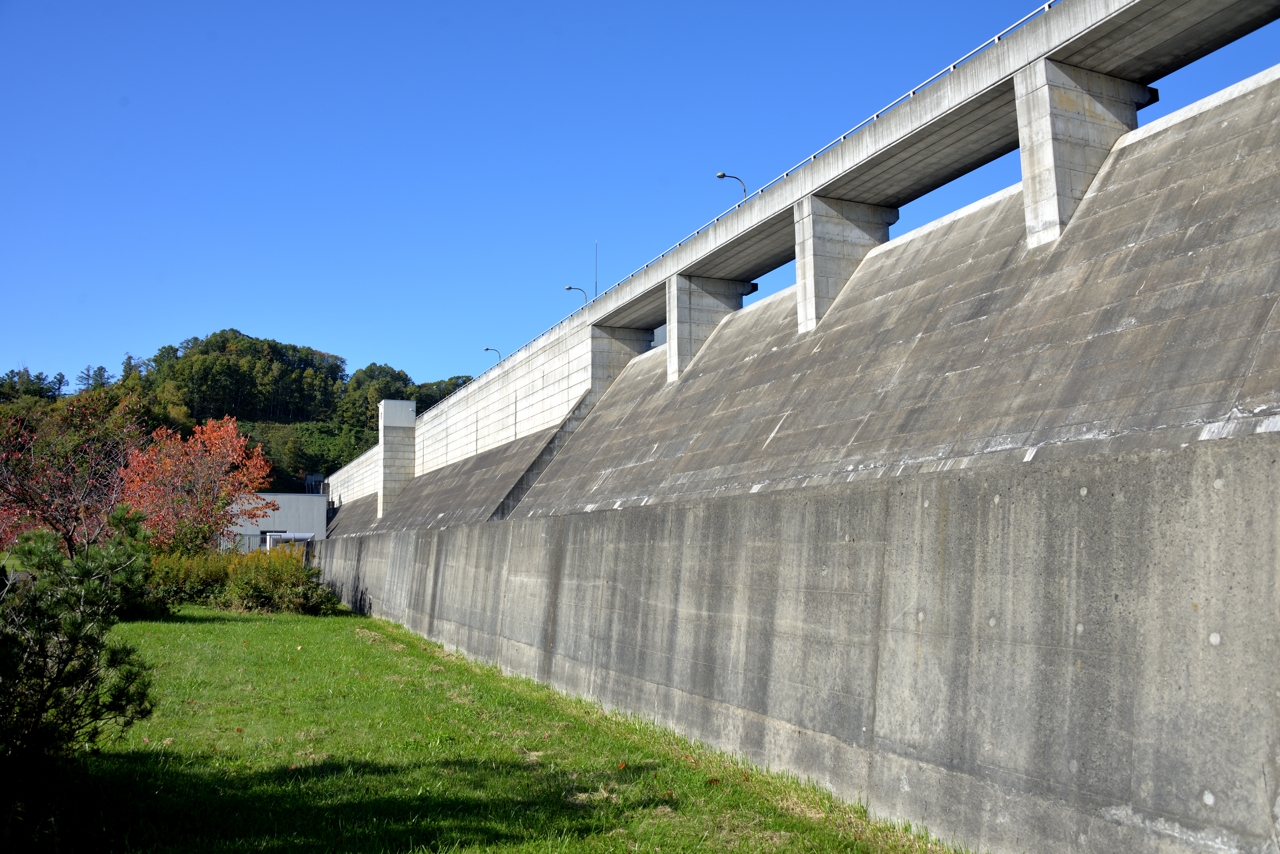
point(1067, 656)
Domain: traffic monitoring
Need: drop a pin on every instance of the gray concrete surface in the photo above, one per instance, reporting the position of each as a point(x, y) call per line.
point(959, 122)
point(395, 438)
point(993, 545)
point(1150, 322)
point(695, 308)
point(468, 491)
point(1068, 121)
point(832, 238)
point(1068, 656)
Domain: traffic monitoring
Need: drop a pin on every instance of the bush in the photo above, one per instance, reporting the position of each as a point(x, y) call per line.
point(275, 580)
point(198, 578)
point(62, 680)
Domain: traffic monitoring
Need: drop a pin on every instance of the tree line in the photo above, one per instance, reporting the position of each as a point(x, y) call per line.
point(296, 402)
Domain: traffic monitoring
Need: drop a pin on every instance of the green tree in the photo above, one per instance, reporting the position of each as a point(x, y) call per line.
point(22, 383)
point(367, 388)
point(92, 378)
point(63, 680)
point(252, 379)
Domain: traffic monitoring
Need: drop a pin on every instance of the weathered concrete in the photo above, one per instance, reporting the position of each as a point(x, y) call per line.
point(993, 545)
point(695, 308)
point(1072, 657)
point(357, 516)
point(1068, 120)
point(832, 238)
point(959, 122)
point(1149, 323)
point(468, 491)
point(395, 438)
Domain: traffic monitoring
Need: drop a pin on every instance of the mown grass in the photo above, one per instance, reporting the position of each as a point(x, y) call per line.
point(287, 733)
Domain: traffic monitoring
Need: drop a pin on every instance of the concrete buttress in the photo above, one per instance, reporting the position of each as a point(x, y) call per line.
point(695, 307)
point(1068, 120)
point(395, 437)
point(832, 238)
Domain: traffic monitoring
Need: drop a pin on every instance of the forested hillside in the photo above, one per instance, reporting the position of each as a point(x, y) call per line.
point(299, 403)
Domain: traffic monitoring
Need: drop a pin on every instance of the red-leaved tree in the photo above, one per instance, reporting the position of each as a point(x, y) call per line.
point(194, 491)
point(61, 469)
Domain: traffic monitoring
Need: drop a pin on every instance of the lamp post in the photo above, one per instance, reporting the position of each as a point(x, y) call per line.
point(579, 290)
point(722, 176)
point(491, 350)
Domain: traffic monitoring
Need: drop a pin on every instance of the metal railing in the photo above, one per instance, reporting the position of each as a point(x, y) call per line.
point(874, 117)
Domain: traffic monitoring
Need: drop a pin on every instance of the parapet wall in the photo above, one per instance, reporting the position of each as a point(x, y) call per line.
point(1043, 657)
point(357, 479)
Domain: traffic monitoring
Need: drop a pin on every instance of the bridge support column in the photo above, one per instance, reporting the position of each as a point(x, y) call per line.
point(395, 437)
point(832, 238)
point(1068, 120)
point(695, 306)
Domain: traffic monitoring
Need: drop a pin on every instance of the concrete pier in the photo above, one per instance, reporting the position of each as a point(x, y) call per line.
point(395, 438)
point(1068, 120)
point(832, 238)
point(695, 307)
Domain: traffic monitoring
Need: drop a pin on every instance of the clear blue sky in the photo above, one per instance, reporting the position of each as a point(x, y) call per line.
point(411, 182)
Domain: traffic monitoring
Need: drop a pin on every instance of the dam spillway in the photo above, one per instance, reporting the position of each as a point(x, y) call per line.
point(984, 533)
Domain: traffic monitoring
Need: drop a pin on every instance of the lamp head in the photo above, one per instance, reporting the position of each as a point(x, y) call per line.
point(719, 174)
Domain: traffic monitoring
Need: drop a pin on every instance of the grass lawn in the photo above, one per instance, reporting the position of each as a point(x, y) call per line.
point(283, 733)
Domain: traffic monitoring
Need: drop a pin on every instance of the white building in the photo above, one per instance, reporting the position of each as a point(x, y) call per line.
point(299, 517)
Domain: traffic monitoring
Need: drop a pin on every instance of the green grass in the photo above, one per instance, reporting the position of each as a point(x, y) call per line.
point(286, 733)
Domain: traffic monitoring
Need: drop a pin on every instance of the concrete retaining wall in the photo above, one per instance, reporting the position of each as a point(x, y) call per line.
point(1079, 656)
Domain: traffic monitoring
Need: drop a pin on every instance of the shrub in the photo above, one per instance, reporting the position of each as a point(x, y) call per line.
point(275, 580)
point(198, 578)
point(62, 680)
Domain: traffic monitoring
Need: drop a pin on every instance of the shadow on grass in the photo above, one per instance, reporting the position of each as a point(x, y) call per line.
point(157, 801)
point(217, 617)
point(186, 616)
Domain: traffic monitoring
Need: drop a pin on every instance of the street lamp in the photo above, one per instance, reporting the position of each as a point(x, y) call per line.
point(491, 350)
point(722, 176)
point(579, 290)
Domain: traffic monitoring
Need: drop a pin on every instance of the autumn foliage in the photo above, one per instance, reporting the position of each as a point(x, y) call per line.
point(61, 469)
point(194, 491)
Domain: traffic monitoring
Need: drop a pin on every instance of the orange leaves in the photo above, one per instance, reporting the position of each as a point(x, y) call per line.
point(60, 468)
point(194, 491)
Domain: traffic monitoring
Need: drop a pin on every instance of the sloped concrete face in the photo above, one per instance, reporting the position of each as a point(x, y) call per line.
point(1150, 323)
point(1073, 657)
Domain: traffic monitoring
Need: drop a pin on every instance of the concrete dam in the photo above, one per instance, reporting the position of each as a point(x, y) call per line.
point(979, 524)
